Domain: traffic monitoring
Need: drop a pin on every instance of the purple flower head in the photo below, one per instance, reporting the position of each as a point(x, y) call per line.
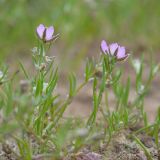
point(114, 50)
point(104, 47)
point(46, 34)
point(121, 53)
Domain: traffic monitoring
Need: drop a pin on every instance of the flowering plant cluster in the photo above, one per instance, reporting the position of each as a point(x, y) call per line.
point(35, 110)
point(114, 50)
point(46, 34)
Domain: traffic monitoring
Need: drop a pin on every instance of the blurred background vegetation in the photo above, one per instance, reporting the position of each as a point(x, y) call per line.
point(81, 23)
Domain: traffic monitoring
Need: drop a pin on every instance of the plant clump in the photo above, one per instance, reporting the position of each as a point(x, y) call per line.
point(32, 113)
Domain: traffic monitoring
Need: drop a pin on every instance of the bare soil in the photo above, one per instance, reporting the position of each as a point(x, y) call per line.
point(121, 147)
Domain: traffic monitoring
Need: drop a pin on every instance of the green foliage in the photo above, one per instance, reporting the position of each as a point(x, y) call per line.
point(37, 110)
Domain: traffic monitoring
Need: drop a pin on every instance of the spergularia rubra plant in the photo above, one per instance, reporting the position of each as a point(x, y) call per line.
point(46, 34)
point(59, 137)
point(114, 50)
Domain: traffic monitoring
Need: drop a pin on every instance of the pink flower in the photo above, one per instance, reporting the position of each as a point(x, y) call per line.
point(113, 48)
point(119, 52)
point(104, 47)
point(46, 33)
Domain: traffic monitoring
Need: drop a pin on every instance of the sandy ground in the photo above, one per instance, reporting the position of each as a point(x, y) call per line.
point(82, 104)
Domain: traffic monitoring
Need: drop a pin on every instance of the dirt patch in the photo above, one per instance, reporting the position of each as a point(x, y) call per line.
point(121, 147)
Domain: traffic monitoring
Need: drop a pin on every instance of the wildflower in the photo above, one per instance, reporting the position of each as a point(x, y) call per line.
point(137, 65)
point(1, 74)
point(46, 34)
point(104, 47)
point(112, 48)
point(45, 85)
point(141, 89)
point(119, 52)
point(34, 50)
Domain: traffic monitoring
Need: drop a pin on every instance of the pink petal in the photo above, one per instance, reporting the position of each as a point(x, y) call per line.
point(113, 47)
point(40, 31)
point(49, 33)
point(104, 47)
point(121, 54)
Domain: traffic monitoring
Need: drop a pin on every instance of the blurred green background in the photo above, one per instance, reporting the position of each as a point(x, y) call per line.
point(81, 24)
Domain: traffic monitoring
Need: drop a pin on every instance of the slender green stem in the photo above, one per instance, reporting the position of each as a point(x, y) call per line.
point(143, 147)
